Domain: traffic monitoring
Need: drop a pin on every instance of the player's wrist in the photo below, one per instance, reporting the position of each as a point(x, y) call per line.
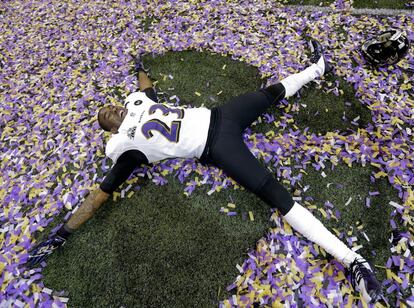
point(65, 231)
point(139, 66)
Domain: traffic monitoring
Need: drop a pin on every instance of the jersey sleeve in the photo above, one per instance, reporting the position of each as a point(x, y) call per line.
point(123, 168)
point(151, 94)
point(118, 145)
point(136, 98)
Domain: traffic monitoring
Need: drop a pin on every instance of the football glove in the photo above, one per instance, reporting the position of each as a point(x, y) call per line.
point(139, 65)
point(45, 248)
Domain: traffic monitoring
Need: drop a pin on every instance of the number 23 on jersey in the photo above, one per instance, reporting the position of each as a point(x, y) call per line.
point(170, 131)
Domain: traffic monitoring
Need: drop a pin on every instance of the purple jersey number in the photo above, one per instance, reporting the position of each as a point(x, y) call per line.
point(166, 110)
point(172, 133)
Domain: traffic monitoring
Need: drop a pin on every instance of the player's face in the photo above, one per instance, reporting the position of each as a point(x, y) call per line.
point(112, 116)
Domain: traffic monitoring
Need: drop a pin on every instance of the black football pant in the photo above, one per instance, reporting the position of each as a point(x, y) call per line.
point(225, 147)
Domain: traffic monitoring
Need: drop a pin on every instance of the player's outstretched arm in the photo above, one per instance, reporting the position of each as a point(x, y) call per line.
point(86, 210)
point(119, 173)
point(142, 73)
point(144, 81)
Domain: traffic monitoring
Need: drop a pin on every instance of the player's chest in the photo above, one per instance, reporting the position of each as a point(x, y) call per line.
point(153, 121)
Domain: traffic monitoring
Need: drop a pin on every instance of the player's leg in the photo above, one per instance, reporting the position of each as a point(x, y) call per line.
point(319, 67)
point(245, 108)
point(308, 225)
point(232, 155)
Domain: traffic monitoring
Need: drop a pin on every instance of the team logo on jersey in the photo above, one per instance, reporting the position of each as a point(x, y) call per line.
point(136, 103)
point(131, 132)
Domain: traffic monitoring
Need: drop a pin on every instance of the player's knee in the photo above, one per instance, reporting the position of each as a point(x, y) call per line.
point(275, 92)
point(274, 194)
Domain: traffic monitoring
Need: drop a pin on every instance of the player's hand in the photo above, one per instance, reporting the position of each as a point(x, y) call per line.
point(45, 248)
point(139, 65)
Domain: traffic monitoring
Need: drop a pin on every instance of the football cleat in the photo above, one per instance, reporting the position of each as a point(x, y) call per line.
point(139, 65)
point(363, 280)
point(41, 251)
point(317, 54)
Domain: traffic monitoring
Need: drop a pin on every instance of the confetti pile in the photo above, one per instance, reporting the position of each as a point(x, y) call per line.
point(62, 60)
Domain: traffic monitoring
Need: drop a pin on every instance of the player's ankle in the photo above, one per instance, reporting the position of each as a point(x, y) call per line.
point(320, 67)
point(349, 258)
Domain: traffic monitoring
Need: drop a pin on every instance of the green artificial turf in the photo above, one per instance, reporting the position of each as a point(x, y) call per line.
point(202, 78)
point(159, 248)
point(322, 113)
point(343, 183)
point(163, 249)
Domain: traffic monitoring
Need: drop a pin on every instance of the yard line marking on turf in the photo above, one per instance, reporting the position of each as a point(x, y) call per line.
point(365, 11)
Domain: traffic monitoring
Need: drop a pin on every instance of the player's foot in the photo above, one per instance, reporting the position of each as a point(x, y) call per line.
point(318, 57)
point(363, 280)
point(139, 65)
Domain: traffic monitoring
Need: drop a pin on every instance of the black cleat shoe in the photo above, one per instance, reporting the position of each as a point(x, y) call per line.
point(317, 53)
point(363, 280)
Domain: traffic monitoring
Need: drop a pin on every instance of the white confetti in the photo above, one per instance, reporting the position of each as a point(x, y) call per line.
point(366, 236)
point(48, 291)
point(396, 205)
point(234, 300)
point(64, 299)
point(239, 268)
point(210, 191)
point(356, 248)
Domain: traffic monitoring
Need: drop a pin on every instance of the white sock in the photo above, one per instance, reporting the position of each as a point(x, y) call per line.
point(308, 225)
point(296, 81)
point(321, 65)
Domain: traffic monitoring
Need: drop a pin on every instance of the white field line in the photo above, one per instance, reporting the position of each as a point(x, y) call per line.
point(389, 12)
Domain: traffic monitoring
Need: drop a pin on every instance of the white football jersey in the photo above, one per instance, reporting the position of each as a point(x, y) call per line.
point(160, 131)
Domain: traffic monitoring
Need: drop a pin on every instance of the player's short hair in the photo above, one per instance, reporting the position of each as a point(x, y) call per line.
point(103, 125)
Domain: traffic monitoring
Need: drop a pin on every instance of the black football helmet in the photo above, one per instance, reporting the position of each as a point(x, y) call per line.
point(387, 48)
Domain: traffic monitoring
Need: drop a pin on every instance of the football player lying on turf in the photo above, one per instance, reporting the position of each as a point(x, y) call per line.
point(146, 132)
